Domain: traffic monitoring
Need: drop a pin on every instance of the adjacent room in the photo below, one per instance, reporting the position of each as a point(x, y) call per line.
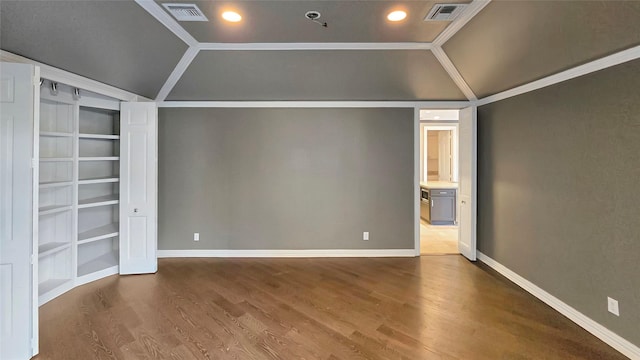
point(328, 180)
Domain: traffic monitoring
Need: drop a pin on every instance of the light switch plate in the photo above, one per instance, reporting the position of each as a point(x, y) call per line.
point(612, 306)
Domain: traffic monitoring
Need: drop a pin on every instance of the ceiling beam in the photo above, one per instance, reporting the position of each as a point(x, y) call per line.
point(165, 19)
point(316, 46)
point(472, 10)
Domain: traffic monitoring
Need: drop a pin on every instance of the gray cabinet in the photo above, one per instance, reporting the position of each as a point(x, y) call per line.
point(443, 206)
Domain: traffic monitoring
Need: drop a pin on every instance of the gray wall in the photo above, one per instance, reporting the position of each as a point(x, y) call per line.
point(285, 178)
point(559, 204)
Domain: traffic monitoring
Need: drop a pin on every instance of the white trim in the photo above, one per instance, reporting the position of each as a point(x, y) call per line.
point(317, 46)
point(85, 279)
point(453, 72)
point(177, 72)
point(169, 22)
point(315, 104)
point(416, 180)
point(73, 80)
point(612, 339)
point(472, 10)
point(311, 253)
point(593, 66)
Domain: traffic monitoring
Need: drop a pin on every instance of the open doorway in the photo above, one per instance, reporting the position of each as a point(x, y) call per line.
point(439, 214)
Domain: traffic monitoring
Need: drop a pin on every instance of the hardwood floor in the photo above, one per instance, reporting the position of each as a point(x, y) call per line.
point(432, 307)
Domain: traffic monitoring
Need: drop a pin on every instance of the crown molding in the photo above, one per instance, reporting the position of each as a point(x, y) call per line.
point(590, 67)
point(177, 72)
point(316, 104)
point(317, 46)
point(453, 73)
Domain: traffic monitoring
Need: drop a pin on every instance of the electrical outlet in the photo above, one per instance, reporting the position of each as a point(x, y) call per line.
point(196, 236)
point(612, 306)
point(365, 235)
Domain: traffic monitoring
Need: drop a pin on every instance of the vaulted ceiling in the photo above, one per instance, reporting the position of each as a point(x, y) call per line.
point(504, 45)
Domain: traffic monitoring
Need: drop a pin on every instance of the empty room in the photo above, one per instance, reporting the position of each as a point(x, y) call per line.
point(319, 179)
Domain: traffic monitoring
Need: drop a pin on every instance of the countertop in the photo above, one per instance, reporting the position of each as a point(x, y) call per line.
point(439, 185)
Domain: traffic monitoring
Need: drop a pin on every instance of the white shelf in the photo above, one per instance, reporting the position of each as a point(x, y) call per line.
point(102, 262)
point(55, 159)
point(55, 134)
point(53, 184)
point(110, 179)
point(100, 158)
point(99, 136)
point(98, 201)
point(102, 232)
point(47, 210)
point(51, 284)
point(52, 248)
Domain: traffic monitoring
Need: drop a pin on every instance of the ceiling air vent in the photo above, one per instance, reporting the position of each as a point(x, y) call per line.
point(185, 12)
point(445, 12)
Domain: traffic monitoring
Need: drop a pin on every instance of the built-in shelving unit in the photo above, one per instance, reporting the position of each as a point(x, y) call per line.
point(56, 198)
point(78, 194)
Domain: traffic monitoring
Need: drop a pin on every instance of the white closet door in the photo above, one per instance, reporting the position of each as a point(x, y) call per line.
point(467, 156)
point(18, 309)
point(138, 188)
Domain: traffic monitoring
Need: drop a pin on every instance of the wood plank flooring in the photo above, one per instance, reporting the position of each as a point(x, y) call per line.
point(432, 307)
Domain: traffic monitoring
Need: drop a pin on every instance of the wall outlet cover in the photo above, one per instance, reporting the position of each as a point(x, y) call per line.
point(196, 236)
point(365, 235)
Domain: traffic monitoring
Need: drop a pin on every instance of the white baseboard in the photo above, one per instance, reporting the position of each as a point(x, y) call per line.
point(289, 253)
point(614, 340)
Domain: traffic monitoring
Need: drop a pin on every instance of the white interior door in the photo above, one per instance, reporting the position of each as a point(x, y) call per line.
point(138, 188)
point(18, 309)
point(467, 158)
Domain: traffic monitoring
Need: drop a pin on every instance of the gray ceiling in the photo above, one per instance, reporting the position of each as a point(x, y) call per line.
point(512, 43)
point(115, 42)
point(316, 75)
point(507, 44)
point(284, 21)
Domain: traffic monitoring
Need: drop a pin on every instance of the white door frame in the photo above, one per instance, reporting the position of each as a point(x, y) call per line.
point(418, 126)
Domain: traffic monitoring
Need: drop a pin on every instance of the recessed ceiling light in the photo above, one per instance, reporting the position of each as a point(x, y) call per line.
point(397, 15)
point(231, 16)
point(436, 117)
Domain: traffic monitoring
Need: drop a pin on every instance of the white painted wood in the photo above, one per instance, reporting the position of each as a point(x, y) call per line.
point(316, 46)
point(289, 253)
point(453, 73)
point(177, 72)
point(17, 114)
point(612, 339)
point(416, 180)
point(469, 12)
point(590, 67)
point(65, 77)
point(165, 19)
point(315, 104)
point(138, 188)
point(467, 185)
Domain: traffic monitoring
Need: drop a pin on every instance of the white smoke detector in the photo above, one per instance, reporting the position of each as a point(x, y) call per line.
point(445, 12)
point(185, 12)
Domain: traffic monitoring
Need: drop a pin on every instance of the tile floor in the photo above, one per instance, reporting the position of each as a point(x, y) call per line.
point(438, 239)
